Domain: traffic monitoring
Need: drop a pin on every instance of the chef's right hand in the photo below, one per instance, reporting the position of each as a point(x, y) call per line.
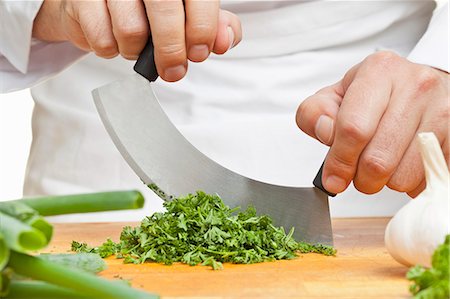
point(179, 31)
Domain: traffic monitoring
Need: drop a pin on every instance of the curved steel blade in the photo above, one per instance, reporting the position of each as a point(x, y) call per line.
point(162, 157)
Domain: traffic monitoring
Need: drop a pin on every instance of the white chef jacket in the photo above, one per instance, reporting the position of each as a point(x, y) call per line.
point(239, 108)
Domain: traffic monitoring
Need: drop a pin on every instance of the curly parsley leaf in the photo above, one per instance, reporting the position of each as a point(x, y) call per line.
point(432, 283)
point(108, 248)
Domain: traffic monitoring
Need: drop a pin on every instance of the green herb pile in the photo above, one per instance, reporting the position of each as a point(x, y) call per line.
point(433, 283)
point(200, 228)
point(23, 230)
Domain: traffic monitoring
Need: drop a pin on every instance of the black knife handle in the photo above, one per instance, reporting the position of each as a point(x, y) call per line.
point(318, 182)
point(145, 65)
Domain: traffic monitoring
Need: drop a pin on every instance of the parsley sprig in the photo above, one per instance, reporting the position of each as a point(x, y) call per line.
point(433, 282)
point(201, 229)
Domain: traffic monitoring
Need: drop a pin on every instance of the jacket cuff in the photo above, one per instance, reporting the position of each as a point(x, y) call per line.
point(433, 47)
point(16, 19)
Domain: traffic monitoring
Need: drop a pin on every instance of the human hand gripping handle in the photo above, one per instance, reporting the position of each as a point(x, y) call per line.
point(371, 118)
point(181, 31)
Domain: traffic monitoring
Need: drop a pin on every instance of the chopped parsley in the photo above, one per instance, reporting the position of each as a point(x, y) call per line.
point(201, 229)
point(434, 282)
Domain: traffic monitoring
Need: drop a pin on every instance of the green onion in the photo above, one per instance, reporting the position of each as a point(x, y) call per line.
point(4, 252)
point(86, 203)
point(76, 280)
point(90, 262)
point(26, 289)
point(20, 236)
point(38, 222)
point(24, 213)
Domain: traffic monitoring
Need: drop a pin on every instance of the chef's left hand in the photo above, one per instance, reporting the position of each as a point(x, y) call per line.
point(370, 120)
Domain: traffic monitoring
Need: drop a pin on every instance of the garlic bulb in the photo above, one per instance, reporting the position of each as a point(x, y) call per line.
point(420, 226)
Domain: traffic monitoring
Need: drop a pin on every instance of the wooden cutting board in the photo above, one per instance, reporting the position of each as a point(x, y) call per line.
point(361, 269)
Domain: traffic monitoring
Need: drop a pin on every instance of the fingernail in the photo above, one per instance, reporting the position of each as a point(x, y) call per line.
point(174, 73)
point(198, 53)
point(230, 37)
point(324, 129)
point(335, 184)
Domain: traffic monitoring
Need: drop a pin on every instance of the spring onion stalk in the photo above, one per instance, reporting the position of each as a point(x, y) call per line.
point(24, 213)
point(89, 262)
point(26, 289)
point(76, 280)
point(38, 222)
point(86, 203)
point(20, 236)
point(4, 252)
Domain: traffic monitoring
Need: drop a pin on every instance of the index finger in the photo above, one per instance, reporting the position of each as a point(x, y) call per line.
point(130, 26)
point(365, 100)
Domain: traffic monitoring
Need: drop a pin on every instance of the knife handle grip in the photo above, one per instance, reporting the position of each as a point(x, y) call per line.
point(318, 182)
point(145, 65)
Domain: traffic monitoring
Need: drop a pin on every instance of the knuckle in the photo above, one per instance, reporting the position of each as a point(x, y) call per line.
point(386, 55)
point(136, 32)
point(375, 166)
point(426, 80)
point(383, 59)
point(105, 48)
point(172, 51)
point(341, 165)
point(353, 132)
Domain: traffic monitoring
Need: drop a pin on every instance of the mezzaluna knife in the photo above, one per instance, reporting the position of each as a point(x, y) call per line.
point(171, 166)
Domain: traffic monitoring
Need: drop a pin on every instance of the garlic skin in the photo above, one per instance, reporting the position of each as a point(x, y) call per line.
point(420, 226)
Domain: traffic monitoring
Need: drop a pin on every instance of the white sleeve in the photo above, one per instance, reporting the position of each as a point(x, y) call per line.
point(24, 61)
point(433, 47)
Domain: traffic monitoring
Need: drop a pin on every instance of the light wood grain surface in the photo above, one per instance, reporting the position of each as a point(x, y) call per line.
point(361, 269)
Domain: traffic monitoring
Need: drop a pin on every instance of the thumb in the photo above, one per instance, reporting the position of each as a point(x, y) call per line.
point(317, 114)
point(229, 32)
